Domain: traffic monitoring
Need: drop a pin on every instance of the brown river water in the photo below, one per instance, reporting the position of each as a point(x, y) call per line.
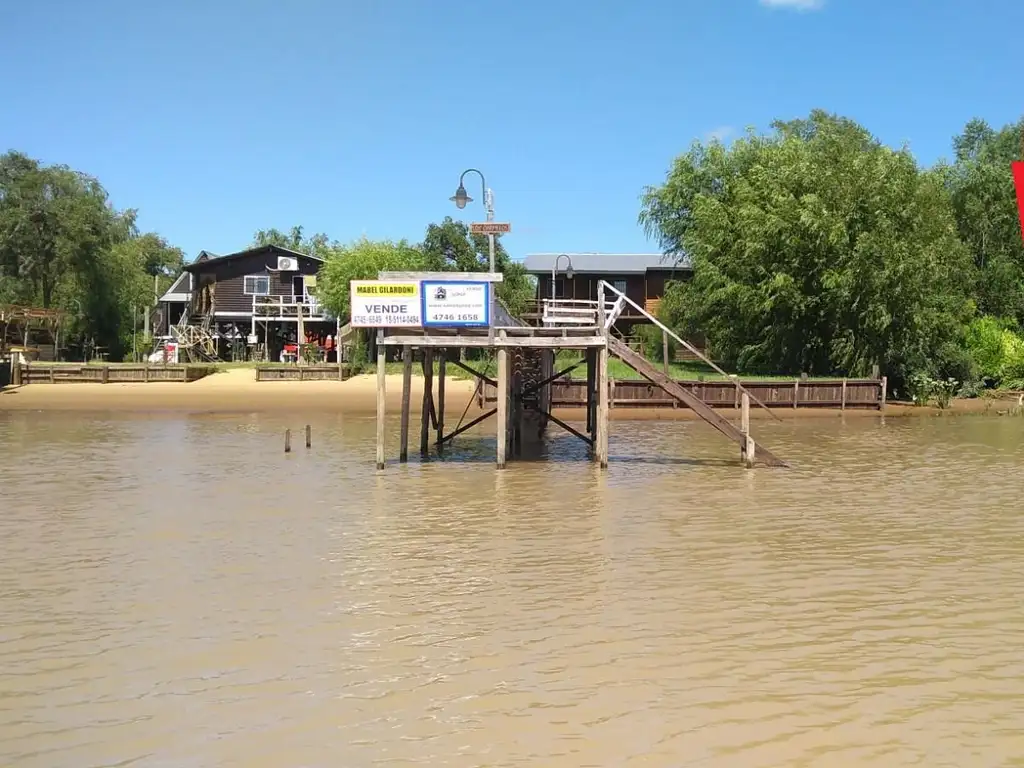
point(176, 591)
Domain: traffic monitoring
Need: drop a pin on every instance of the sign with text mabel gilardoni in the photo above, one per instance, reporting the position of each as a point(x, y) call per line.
point(385, 304)
point(456, 304)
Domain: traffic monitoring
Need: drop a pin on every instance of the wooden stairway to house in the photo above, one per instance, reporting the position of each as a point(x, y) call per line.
point(642, 366)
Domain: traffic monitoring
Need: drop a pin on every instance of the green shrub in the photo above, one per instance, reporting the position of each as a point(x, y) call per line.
point(652, 343)
point(997, 351)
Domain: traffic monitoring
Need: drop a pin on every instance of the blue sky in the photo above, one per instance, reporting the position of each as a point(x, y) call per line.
point(217, 117)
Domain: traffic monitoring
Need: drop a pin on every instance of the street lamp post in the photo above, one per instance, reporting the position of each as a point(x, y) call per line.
point(554, 271)
point(460, 198)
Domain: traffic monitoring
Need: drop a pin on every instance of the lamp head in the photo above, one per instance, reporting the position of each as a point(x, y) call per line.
point(460, 198)
point(568, 272)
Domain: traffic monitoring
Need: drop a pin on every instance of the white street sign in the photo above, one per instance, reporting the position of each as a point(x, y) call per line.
point(385, 304)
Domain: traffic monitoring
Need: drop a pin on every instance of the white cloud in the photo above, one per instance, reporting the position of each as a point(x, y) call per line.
point(722, 133)
point(795, 5)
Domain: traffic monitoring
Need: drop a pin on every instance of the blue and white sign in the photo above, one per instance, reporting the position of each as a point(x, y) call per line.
point(456, 304)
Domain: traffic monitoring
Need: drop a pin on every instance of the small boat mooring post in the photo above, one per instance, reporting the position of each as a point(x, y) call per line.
point(381, 392)
point(287, 441)
point(309, 436)
point(748, 450)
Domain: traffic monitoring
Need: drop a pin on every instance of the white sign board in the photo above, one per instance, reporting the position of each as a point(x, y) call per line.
point(385, 304)
point(456, 304)
point(490, 228)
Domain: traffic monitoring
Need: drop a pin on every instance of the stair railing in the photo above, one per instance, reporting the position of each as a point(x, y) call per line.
point(602, 285)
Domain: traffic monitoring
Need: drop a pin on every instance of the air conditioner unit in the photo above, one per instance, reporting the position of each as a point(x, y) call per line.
point(287, 264)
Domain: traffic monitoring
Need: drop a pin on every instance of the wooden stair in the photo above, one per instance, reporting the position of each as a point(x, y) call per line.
point(642, 366)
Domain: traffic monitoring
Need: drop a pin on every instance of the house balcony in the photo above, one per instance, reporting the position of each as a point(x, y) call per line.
point(288, 308)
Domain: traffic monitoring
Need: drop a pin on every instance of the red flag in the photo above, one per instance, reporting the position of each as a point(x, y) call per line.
point(1018, 182)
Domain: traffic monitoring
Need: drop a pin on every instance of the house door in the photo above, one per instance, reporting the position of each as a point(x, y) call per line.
point(299, 288)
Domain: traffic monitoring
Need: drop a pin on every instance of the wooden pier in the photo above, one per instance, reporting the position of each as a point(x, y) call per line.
point(525, 375)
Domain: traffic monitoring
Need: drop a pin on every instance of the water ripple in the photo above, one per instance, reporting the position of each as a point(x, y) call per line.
point(184, 594)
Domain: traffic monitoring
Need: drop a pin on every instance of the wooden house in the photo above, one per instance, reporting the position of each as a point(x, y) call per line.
point(641, 276)
point(245, 305)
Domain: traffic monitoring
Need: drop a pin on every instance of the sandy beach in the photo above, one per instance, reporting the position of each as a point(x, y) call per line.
point(237, 391)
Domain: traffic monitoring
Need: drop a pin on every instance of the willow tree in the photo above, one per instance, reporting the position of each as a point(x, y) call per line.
point(815, 249)
point(985, 207)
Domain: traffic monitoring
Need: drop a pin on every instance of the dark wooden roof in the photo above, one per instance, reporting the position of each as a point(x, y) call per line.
point(207, 259)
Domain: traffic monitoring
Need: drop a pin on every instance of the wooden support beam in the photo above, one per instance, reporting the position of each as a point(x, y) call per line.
point(588, 440)
point(433, 340)
point(534, 387)
point(381, 379)
point(591, 392)
point(502, 436)
point(428, 397)
point(602, 407)
point(473, 423)
point(440, 395)
point(403, 454)
point(461, 365)
point(664, 350)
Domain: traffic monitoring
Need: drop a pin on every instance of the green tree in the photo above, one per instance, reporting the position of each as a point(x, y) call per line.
point(815, 249)
point(64, 246)
point(449, 246)
point(317, 245)
point(985, 207)
point(362, 260)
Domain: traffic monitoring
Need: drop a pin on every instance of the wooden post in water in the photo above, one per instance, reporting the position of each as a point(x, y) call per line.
point(601, 442)
point(602, 407)
point(381, 384)
point(591, 373)
point(796, 392)
point(287, 441)
point(403, 454)
point(440, 396)
point(309, 436)
point(885, 388)
point(428, 395)
point(748, 450)
point(502, 404)
point(842, 403)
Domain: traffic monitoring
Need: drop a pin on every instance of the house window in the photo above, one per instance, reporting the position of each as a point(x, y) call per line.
point(256, 285)
point(559, 287)
point(620, 285)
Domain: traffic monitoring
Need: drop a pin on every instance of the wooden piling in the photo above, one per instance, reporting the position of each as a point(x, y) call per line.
point(309, 436)
point(796, 392)
point(884, 393)
point(502, 436)
point(381, 384)
point(287, 441)
point(591, 406)
point(602, 407)
point(748, 450)
point(428, 395)
point(403, 454)
point(842, 401)
point(440, 396)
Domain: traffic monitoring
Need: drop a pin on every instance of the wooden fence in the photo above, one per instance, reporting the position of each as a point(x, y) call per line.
point(839, 393)
point(302, 373)
point(43, 373)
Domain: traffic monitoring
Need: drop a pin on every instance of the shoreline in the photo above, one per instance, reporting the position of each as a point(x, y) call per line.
point(237, 391)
